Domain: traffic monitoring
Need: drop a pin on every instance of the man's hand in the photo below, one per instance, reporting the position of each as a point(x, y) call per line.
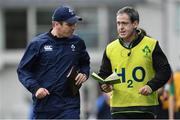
point(80, 78)
point(165, 95)
point(41, 93)
point(146, 90)
point(106, 87)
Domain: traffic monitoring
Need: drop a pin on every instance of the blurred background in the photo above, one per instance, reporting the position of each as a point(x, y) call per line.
point(21, 20)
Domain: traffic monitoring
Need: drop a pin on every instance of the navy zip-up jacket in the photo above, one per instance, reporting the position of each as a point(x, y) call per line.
point(46, 63)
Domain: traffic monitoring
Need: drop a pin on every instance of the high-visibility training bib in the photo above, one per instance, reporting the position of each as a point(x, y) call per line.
point(135, 68)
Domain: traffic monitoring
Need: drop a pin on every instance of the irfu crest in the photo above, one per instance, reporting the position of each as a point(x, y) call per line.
point(146, 50)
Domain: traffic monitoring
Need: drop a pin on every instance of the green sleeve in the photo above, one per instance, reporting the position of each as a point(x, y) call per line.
point(171, 89)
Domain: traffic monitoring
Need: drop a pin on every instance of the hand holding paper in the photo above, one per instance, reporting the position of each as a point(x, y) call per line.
point(112, 79)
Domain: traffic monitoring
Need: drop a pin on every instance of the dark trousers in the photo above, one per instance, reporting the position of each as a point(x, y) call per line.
point(133, 116)
point(65, 114)
point(177, 115)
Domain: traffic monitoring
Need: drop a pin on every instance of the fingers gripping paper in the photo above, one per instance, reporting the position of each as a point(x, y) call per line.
point(112, 79)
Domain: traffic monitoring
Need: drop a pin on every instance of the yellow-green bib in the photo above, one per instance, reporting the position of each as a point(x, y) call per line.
point(134, 70)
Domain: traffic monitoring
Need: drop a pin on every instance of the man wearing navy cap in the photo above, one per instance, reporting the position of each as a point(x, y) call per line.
point(46, 63)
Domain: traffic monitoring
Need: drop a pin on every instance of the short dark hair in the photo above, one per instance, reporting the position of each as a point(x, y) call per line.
point(131, 12)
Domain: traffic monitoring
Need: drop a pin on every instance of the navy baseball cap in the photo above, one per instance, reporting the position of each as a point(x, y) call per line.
point(66, 14)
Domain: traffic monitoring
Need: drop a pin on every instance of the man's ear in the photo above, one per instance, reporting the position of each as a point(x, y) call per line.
point(135, 24)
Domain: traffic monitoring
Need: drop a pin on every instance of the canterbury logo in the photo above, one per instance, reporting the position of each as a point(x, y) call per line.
point(48, 48)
